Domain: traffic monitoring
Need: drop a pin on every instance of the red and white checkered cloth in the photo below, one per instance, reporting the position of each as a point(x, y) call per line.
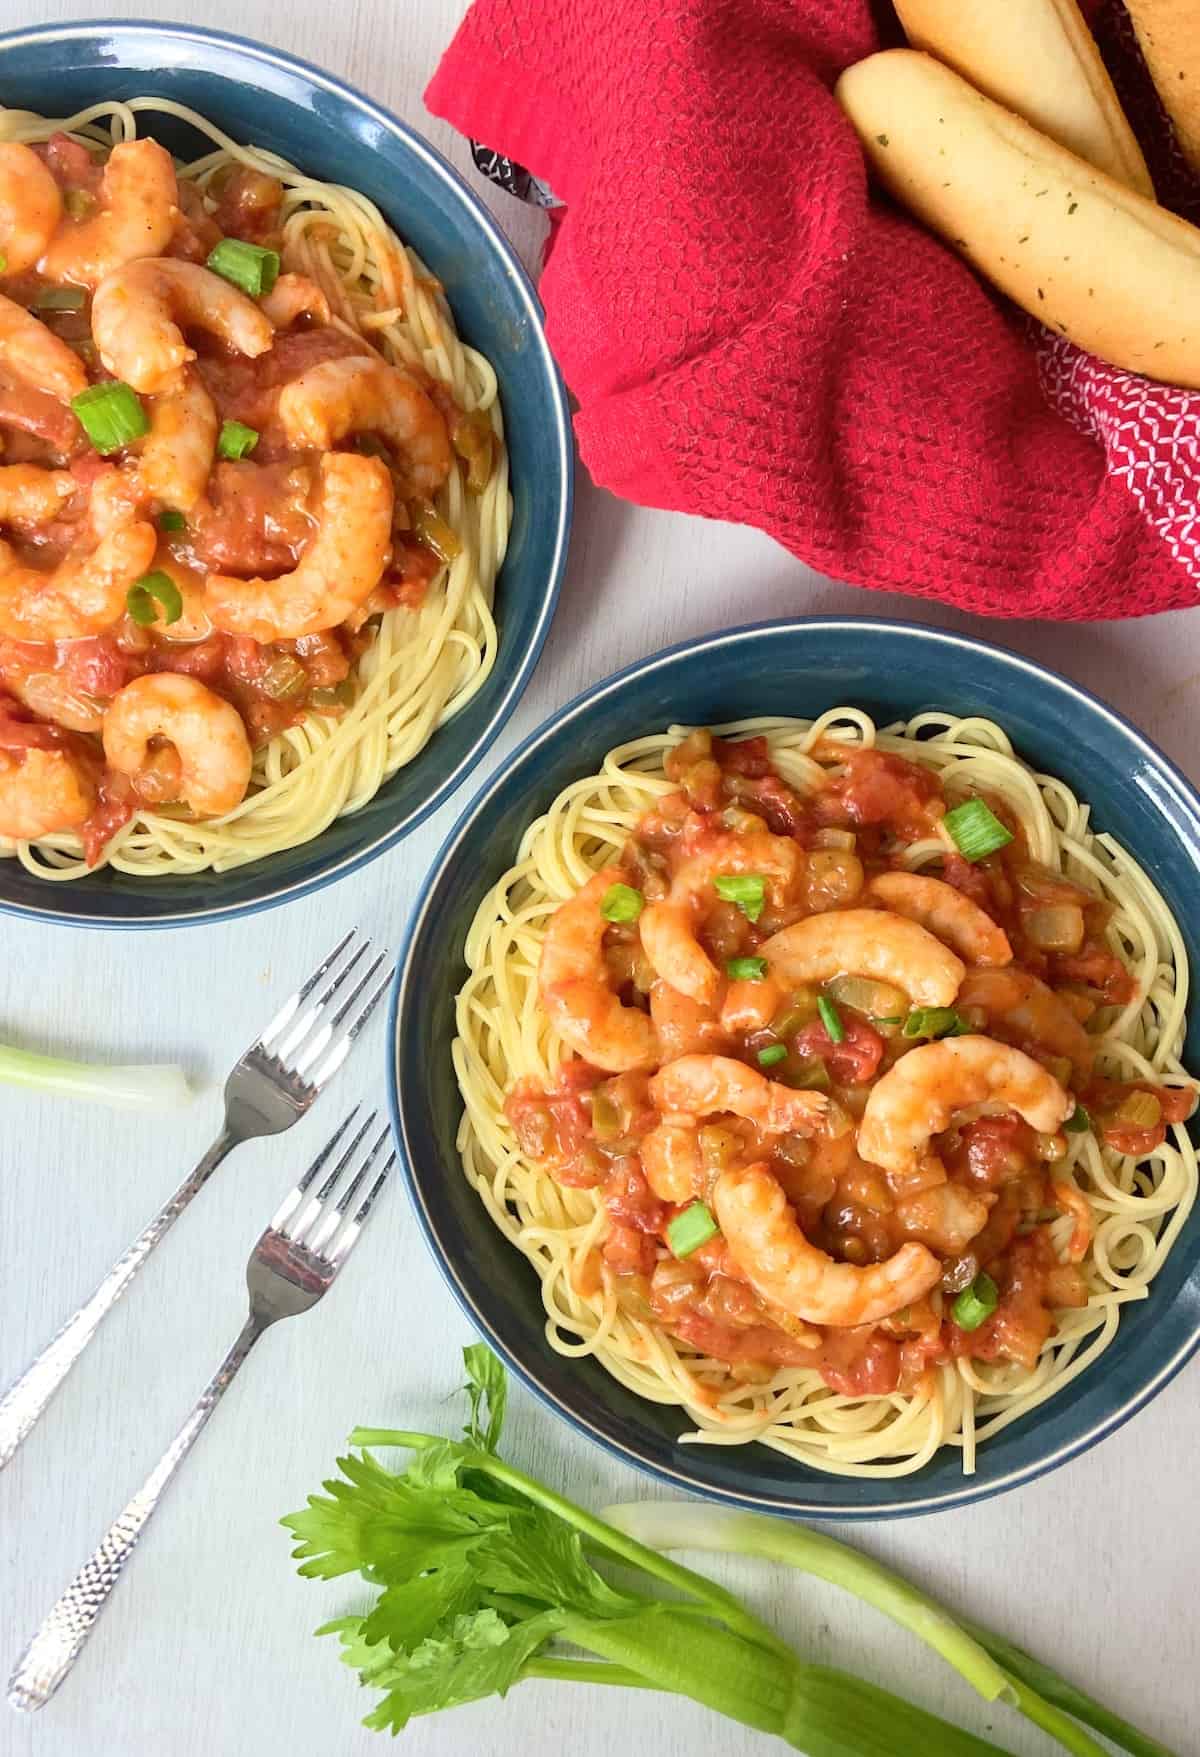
point(753, 334)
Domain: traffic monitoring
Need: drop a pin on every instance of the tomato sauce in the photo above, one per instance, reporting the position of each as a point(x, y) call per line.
point(986, 1202)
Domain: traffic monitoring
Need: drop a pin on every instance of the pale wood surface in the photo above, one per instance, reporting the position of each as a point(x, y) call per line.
point(206, 1650)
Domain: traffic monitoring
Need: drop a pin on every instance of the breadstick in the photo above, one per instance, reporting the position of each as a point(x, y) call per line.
point(1039, 58)
point(1169, 32)
point(1074, 247)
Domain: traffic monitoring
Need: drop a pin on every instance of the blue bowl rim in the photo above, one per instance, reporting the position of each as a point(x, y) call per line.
point(969, 1492)
point(77, 29)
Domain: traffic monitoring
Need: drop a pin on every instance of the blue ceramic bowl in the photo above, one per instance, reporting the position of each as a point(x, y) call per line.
point(892, 669)
point(262, 95)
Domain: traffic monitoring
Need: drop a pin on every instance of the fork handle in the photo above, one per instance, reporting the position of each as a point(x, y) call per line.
point(60, 1639)
point(27, 1397)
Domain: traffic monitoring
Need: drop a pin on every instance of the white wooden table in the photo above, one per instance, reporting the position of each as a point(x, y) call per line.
point(206, 1649)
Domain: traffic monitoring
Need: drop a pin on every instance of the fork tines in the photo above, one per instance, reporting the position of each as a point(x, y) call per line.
point(308, 1040)
point(325, 1227)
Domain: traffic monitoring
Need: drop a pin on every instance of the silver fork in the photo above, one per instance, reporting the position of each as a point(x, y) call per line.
point(270, 1088)
point(290, 1268)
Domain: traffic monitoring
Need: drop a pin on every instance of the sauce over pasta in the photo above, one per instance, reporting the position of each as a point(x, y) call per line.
point(214, 484)
point(825, 1101)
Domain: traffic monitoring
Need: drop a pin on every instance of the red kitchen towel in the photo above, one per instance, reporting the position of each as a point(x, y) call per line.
point(752, 334)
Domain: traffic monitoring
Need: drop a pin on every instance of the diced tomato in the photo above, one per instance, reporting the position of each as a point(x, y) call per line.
point(629, 1251)
point(1098, 967)
point(37, 412)
point(852, 1062)
point(992, 1150)
point(731, 1342)
point(69, 163)
point(970, 879)
point(879, 788)
point(19, 731)
point(248, 205)
point(97, 666)
point(631, 1201)
point(88, 468)
point(412, 568)
point(1021, 1322)
point(255, 519)
point(116, 803)
point(324, 658)
point(743, 756)
point(786, 814)
point(859, 1362)
point(245, 658)
point(1104, 1097)
point(203, 659)
point(554, 1124)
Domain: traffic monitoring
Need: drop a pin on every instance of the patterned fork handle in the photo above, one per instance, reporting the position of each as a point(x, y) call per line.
point(25, 1400)
point(58, 1643)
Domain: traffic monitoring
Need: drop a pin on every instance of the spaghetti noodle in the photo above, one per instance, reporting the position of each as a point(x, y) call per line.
point(1136, 1205)
point(422, 664)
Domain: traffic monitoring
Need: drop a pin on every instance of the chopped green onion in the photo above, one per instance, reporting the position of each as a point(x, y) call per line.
point(140, 599)
point(58, 299)
point(1079, 1121)
point(235, 439)
point(746, 969)
point(621, 903)
point(248, 266)
point(935, 1022)
point(976, 1303)
point(774, 1052)
point(976, 829)
point(747, 889)
point(888, 1018)
point(3, 262)
point(171, 520)
point(691, 1229)
point(831, 1019)
point(112, 415)
point(78, 203)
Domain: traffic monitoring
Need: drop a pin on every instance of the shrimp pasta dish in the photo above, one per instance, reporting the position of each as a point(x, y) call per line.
point(253, 499)
point(829, 1077)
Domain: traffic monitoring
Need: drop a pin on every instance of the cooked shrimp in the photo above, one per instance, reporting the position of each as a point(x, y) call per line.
point(575, 990)
point(83, 595)
point(342, 562)
point(36, 355)
point(1072, 1201)
point(30, 207)
point(668, 929)
point(294, 296)
point(31, 495)
point(684, 1027)
point(866, 942)
point(206, 731)
point(704, 1085)
point(42, 791)
point(139, 312)
point(946, 1217)
point(918, 1097)
point(359, 395)
point(138, 208)
point(947, 914)
point(176, 457)
point(766, 1243)
point(671, 1161)
point(1015, 1001)
point(750, 1006)
point(193, 622)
